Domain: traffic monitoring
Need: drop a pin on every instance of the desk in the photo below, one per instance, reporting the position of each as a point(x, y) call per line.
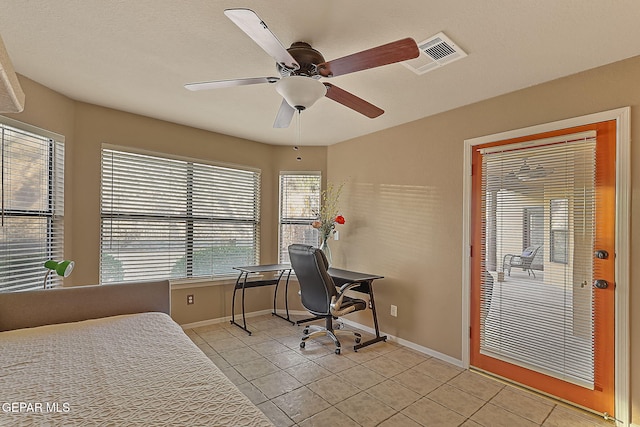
point(243, 283)
point(341, 277)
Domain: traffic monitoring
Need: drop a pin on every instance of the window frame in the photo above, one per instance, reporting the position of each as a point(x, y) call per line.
point(528, 214)
point(305, 221)
point(189, 219)
point(53, 212)
point(556, 255)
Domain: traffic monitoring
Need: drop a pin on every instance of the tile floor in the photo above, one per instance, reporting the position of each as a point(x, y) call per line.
point(384, 384)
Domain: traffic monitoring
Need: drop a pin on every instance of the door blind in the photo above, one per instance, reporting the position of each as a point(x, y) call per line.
point(164, 218)
point(299, 207)
point(32, 208)
point(538, 210)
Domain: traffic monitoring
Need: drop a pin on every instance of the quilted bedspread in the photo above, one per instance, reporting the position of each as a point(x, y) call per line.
point(133, 370)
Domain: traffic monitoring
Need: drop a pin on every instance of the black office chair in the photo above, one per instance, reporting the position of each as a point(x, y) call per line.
point(319, 294)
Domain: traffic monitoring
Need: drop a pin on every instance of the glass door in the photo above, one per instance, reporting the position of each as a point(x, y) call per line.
point(542, 313)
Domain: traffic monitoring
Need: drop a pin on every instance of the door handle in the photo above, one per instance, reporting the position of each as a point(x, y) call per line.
point(601, 254)
point(600, 284)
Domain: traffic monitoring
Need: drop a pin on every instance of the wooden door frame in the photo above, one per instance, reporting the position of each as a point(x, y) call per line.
point(623, 221)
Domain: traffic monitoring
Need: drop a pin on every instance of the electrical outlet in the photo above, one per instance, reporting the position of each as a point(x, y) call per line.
point(394, 310)
point(189, 299)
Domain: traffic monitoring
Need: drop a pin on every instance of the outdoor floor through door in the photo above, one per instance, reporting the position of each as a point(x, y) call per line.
point(548, 325)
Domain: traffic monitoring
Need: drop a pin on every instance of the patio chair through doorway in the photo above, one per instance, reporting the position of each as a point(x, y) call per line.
point(523, 260)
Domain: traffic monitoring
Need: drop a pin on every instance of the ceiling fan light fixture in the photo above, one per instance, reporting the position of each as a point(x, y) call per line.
point(527, 173)
point(300, 92)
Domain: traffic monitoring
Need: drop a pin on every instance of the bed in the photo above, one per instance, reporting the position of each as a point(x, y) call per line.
point(108, 355)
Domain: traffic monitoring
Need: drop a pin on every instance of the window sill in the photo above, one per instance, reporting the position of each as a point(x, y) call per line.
point(202, 282)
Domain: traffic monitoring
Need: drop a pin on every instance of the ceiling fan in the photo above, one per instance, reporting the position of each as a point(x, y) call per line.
point(301, 66)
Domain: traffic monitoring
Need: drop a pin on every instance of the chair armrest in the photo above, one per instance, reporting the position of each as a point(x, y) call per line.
point(508, 258)
point(344, 288)
point(336, 303)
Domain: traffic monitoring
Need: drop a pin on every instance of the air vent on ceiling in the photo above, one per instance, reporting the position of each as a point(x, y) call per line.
point(435, 52)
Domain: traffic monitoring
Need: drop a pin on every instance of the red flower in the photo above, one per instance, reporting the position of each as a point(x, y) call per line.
point(340, 219)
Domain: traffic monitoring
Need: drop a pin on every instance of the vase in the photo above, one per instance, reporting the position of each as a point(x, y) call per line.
point(324, 247)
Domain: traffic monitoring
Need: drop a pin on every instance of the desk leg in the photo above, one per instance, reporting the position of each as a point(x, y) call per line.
point(286, 297)
point(378, 338)
point(233, 303)
point(311, 319)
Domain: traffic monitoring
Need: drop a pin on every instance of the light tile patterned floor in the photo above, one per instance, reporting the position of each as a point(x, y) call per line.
point(384, 384)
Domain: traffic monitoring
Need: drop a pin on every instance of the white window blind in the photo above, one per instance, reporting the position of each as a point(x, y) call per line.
point(164, 218)
point(32, 206)
point(538, 208)
point(299, 206)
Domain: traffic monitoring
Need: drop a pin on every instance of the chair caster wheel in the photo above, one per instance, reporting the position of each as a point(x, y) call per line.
point(337, 351)
point(302, 344)
point(306, 331)
point(358, 340)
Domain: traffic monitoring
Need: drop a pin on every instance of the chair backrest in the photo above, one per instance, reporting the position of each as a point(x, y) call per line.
point(530, 252)
point(316, 286)
point(528, 255)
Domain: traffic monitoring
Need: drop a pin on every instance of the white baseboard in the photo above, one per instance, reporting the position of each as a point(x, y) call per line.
point(392, 338)
point(223, 319)
point(411, 345)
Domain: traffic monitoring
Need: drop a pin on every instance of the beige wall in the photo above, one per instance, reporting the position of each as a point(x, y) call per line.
point(403, 201)
point(86, 127)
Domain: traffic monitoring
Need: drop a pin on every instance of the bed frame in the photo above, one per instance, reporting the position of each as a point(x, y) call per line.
point(62, 305)
point(113, 356)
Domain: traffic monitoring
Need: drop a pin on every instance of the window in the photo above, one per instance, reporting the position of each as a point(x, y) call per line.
point(32, 208)
point(171, 219)
point(559, 231)
point(533, 227)
point(299, 206)
point(533, 234)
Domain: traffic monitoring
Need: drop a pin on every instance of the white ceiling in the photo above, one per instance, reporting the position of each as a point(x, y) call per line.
point(136, 55)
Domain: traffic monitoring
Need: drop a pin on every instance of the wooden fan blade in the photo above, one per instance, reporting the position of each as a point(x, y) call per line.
point(350, 100)
point(284, 116)
point(217, 84)
point(254, 27)
point(389, 53)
